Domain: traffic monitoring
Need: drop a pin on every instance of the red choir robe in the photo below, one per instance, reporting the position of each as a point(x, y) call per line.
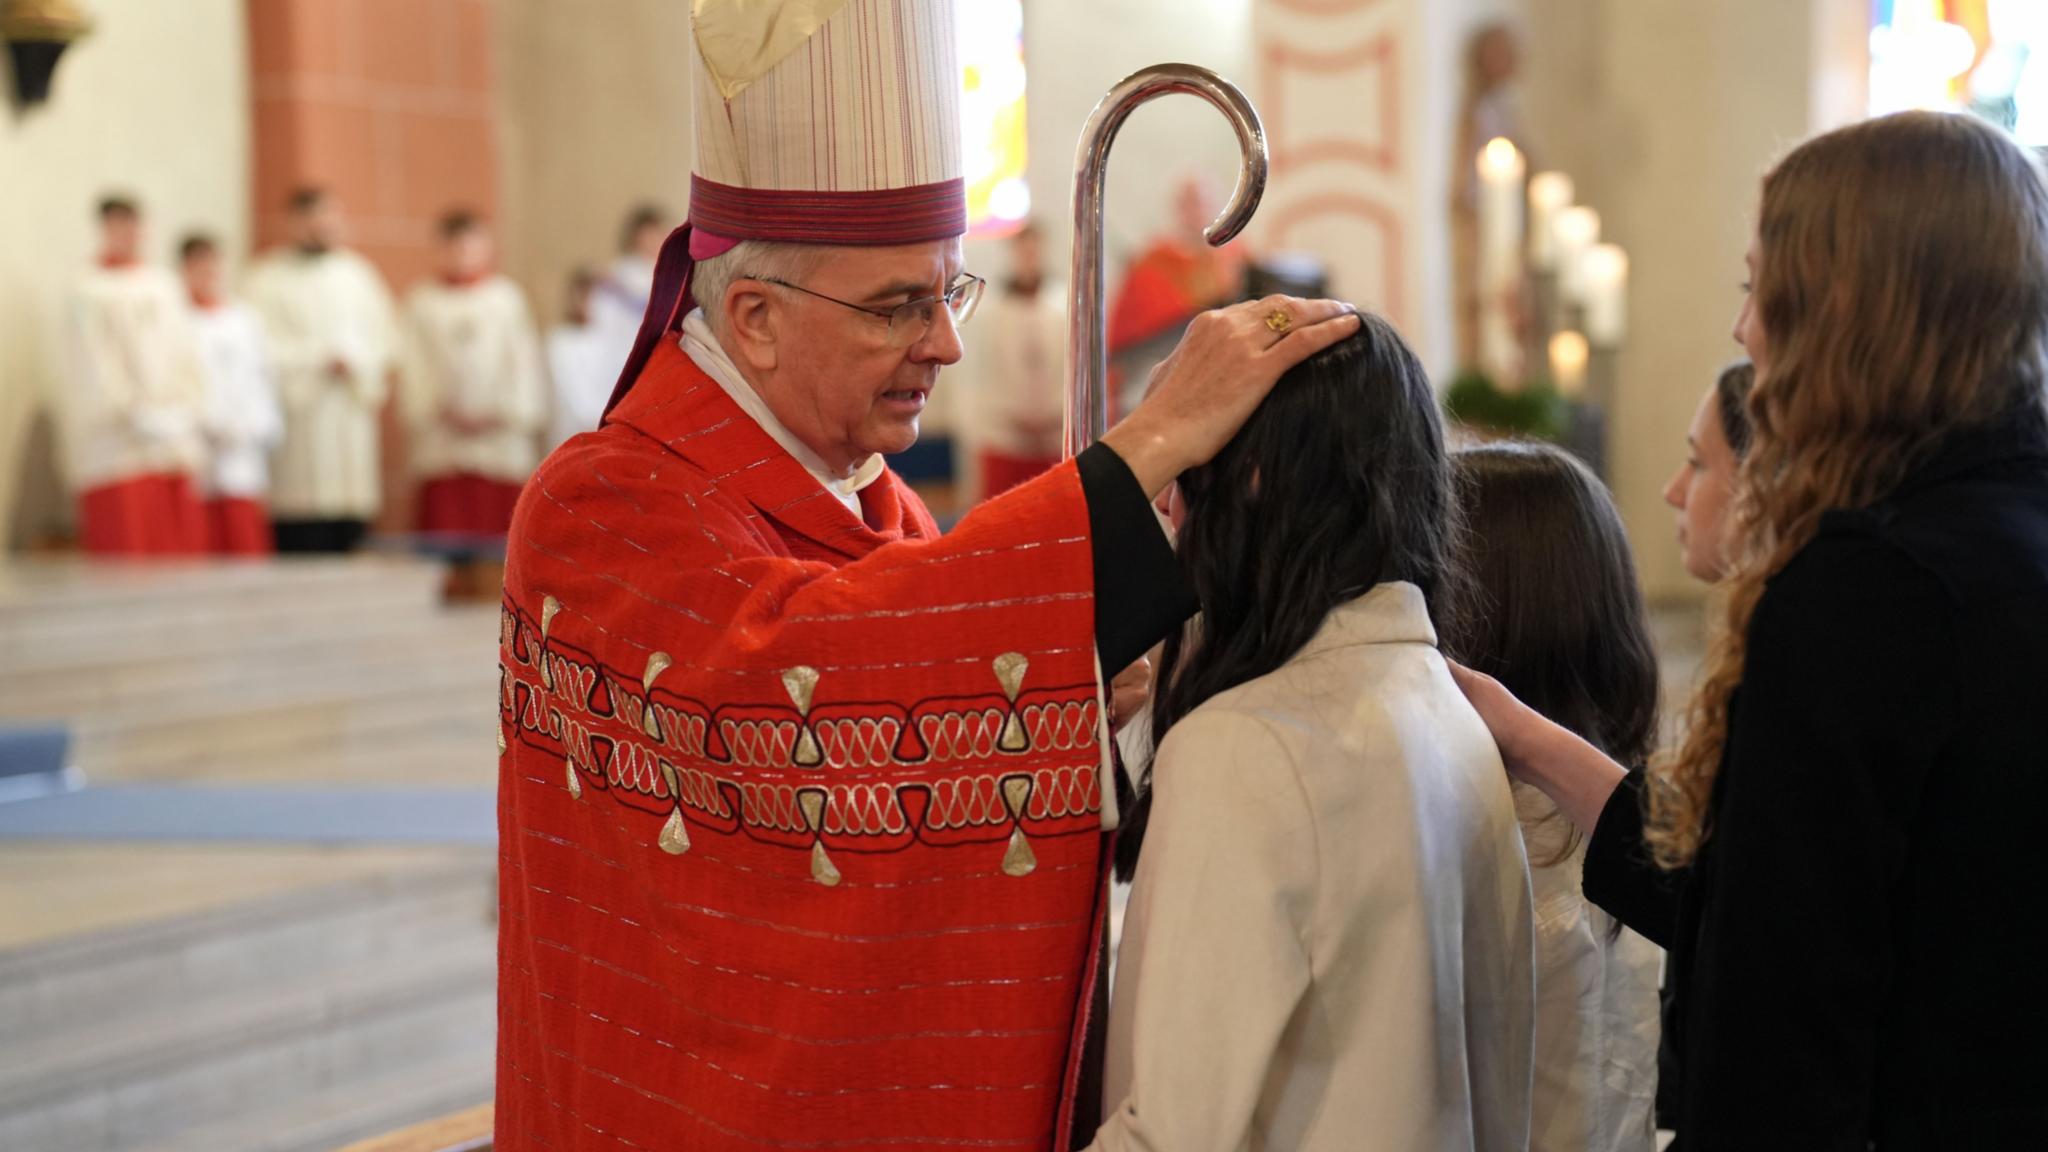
point(800, 816)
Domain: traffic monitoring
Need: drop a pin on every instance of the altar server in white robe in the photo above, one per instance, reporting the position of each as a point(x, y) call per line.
point(328, 318)
point(1329, 945)
point(1015, 405)
point(242, 420)
point(580, 364)
point(474, 390)
point(620, 298)
point(130, 402)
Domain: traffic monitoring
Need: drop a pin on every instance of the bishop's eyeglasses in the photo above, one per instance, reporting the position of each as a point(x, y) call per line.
point(910, 320)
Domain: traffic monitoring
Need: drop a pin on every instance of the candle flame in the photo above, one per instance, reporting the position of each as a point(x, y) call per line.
point(1501, 160)
point(1568, 355)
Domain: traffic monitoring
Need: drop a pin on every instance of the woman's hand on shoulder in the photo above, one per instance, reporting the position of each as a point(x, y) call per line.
point(1516, 727)
point(1576, 776)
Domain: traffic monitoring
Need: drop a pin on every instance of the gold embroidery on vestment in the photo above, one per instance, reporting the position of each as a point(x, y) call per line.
point(1010, 668)
point(801, 682)
point(812, 802)
point(675, 839)
point(657, 663)
point(1018, 858)
point(675, 836)
point(549, 606)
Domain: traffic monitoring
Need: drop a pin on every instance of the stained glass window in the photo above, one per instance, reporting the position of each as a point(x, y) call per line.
point(992, 113)
point(1989, 57)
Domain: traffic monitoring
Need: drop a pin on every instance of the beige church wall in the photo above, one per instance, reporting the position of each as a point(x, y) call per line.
point(1668, 113)
point(1075, 51)
point(154, 103)
point(594, 119)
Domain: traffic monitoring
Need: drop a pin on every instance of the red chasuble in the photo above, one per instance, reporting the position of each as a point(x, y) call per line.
point(800, 815)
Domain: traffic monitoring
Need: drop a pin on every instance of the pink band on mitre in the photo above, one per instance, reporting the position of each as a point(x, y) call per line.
point(706, 246)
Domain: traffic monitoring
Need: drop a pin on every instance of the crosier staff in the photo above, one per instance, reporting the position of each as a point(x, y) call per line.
point(1087, 414)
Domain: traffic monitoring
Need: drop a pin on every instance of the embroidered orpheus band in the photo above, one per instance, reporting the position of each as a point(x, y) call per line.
point(1015, 763)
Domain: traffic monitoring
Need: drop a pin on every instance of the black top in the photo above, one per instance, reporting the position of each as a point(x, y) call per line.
point(1141, 594)
point(1858, 954)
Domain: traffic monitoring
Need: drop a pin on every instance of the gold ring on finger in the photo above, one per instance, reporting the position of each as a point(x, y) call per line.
point(1279, 322)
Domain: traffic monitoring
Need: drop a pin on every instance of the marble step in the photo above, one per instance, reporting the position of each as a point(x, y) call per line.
point(142, 679)
point(342, 1115)
point(115, 633)
point(422, 756)
point(150, 1077)
point(145, 968)
point(254, 632)
point(34, 593)
point(39, 588)
point(460, 701)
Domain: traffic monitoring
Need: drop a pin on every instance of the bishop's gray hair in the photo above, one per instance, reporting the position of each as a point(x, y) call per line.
point(749, 259)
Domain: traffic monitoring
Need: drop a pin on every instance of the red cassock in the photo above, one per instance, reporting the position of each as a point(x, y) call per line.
point(467, 504)
point(238, 526)
point(158, 514)
point(800, 815)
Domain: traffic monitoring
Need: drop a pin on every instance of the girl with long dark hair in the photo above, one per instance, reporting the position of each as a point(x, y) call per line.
point(1328, 944)
point(1843, 855)
point(1552, 609)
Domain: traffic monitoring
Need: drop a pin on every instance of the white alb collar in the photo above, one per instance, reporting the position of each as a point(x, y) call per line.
point(702, 346)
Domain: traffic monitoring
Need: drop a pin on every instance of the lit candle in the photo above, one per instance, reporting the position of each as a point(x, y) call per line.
point(1549, 194)
point(1501, 171)
point(1568, 356)
point(1603, 272)
point(1577, 230)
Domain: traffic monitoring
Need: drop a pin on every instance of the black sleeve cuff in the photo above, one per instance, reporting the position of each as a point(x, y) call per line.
point(1141, 594)
point(1619, 874)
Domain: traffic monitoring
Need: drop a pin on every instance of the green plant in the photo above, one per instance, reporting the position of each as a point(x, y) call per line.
point(1537, 410)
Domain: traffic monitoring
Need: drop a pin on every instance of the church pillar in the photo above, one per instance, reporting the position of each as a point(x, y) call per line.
point(391, 104)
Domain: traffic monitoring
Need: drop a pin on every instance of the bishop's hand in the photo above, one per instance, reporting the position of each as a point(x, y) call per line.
point(1226, 363)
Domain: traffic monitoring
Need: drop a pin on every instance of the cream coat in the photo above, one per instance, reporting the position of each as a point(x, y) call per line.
point(1329, 945)
point(473, 351)
point(317, 310)
point(134, 387)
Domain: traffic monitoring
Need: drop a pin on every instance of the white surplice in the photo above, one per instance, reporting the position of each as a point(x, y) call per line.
point(1596, 1003)
point(471, 349)
point(1016, 368)
point(583, 373)
point(242, 421)
point(133, 391)
point(318, 309)
point(618, 302)
point(1329, 944)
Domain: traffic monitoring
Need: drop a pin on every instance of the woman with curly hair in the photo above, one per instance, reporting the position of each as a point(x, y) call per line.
point(1842, 855)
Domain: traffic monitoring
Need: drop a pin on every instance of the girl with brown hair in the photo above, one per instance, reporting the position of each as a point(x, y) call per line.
point(1702, 491)
point(1842, 855)
point(1550, 604)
